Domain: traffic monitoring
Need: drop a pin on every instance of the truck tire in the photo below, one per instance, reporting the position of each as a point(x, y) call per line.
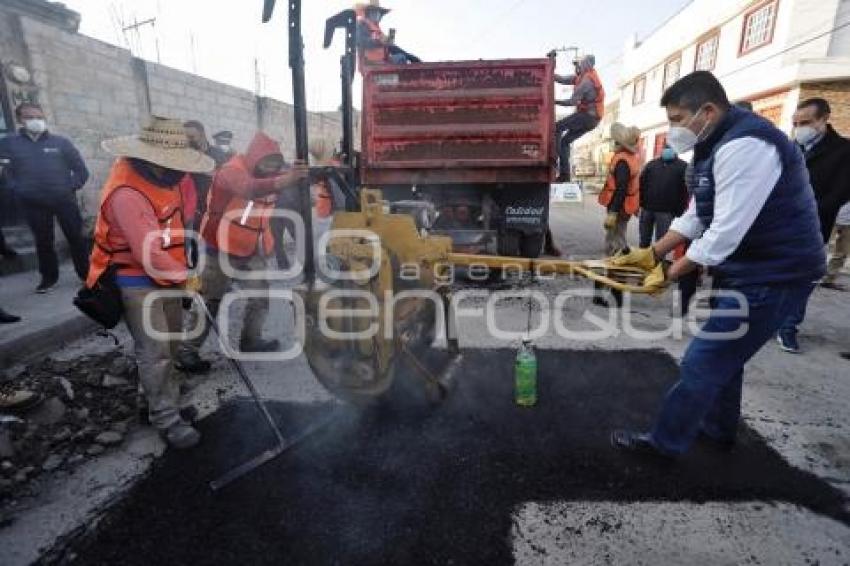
point(510, 243)
point(531, 246)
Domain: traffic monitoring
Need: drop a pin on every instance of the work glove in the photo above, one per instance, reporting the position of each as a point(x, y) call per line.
point(642, 258)
point(610, 221)
point(656, 281)
point(193, 284)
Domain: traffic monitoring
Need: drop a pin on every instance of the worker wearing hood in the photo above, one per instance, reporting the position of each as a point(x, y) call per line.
point(589, 101)
point(236, 229)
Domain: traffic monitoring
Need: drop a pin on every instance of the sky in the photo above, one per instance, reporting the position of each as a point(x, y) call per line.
point(222, 39)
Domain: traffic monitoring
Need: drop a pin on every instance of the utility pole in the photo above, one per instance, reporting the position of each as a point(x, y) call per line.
point(194, 54)
point(134, 27)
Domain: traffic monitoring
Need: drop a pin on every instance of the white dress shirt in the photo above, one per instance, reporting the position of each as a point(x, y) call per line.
point(745, 173)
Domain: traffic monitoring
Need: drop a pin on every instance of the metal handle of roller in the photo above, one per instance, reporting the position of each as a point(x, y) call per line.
point(240, 371)
point(556, 266)
point(611, 283)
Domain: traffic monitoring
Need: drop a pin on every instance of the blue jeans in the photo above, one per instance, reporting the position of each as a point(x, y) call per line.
point(792, 323)
point(707, 396)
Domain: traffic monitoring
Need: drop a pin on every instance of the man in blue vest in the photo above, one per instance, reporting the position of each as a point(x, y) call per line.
point(45, 171)
point(753, 220)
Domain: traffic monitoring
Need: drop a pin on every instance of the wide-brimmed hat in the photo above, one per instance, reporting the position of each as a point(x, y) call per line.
point(628, 137)
point(371, 5)
point(162, 142)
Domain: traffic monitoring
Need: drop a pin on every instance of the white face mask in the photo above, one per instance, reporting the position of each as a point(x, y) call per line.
point(35, 125)
point(805, 135)
point(681, 139)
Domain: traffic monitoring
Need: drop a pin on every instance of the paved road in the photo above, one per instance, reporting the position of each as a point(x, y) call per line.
point(797, 404)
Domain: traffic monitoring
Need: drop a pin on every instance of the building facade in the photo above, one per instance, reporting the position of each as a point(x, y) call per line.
point(772, 53)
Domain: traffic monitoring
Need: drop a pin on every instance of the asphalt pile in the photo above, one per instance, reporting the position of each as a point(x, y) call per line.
point(431, 485)
point(87, 406)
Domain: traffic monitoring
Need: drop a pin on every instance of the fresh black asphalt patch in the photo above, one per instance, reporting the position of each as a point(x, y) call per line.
point(388, 486)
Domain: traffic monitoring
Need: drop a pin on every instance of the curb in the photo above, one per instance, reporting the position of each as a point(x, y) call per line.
point(27, 346)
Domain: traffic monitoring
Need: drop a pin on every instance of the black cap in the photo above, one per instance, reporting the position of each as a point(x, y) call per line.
point(223, 136)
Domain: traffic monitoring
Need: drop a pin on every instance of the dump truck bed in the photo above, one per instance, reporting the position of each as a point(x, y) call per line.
point(459, 123)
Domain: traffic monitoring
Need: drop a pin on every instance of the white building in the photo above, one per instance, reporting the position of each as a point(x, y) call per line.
point(772, 53)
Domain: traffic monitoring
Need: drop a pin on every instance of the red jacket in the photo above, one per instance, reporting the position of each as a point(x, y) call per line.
point(240, 203)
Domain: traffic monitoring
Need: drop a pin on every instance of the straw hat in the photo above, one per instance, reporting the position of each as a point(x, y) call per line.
point(628, 137)
point(162, 142)
point(373, 4)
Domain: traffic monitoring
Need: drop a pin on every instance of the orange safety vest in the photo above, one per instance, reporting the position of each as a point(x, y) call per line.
point(236, 225)
point(371, 55)
point(600, 90)
point(168, 208)
point(632, 204)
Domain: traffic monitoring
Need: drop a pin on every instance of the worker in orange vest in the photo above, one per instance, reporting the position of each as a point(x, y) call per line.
point(621, 194)
point(373, 46)
point(321, 196)
point(589, 101)
point(140, 248)
point(236, 229)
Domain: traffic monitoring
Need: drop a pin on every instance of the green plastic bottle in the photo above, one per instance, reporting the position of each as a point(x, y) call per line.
point(525, 376)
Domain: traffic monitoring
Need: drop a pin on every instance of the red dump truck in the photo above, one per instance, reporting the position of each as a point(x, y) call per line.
point(467, 147)
point(471, 141)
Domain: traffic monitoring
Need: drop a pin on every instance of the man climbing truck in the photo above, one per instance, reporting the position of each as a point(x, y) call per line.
point(589, 101)
point(465, 147)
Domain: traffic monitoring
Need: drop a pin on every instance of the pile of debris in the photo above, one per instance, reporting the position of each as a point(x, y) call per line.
point(87, 405)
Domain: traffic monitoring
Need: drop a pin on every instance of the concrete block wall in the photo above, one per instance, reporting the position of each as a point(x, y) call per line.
point(92, 91)
point(88, 93)
point(218, 106)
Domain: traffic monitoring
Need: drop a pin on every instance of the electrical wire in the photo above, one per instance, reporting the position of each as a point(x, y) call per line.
point(495, 21)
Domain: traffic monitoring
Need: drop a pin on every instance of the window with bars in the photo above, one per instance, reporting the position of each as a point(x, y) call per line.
point(672, 71)
point(707, 53)
point(758, 27)
point(639, 94)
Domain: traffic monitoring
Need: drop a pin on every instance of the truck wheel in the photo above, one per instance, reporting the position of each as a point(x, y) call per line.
point(532, 245)
point(510, 243)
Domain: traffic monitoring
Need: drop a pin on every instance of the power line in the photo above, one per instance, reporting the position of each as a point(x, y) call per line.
point(495, 21)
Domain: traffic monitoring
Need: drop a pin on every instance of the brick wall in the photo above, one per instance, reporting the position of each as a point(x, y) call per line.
point(838, 95)
point(93, 91)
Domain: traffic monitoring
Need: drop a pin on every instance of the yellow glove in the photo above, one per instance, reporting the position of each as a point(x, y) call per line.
point(193, 284)
point(656, 281)
point(610, 221)
point(643, 258)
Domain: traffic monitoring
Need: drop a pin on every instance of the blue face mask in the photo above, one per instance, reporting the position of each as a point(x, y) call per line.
point(668, 154)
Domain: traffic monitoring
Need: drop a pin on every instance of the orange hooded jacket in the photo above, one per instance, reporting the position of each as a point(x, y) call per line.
point(239, 204)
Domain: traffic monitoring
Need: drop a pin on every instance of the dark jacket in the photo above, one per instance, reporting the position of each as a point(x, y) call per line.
point(663, 187)
point(783, 245)
point(622, 176)
point(829, 168)
point(47, 170)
